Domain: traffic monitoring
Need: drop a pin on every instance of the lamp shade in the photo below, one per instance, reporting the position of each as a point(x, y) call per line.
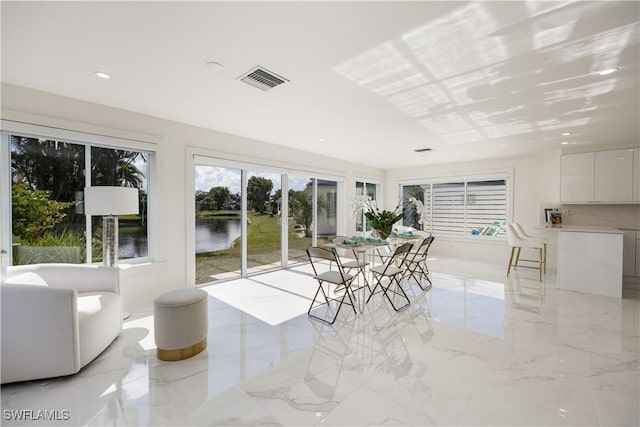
point(105, 200)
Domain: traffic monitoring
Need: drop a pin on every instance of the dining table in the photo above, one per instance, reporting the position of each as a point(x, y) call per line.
point(368, 248)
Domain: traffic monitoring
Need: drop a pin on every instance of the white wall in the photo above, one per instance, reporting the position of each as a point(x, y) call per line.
point(142, 283)
point(536, 183)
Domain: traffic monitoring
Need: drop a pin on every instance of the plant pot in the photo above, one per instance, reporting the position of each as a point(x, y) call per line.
point(384, 232)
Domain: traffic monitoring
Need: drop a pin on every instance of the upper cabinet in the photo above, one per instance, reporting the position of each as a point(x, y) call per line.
point(614, 176)
point(604, 176)
point(577, 177)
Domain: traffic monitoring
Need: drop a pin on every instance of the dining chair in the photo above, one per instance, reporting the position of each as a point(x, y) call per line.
point(516, 242)
point(335, 285)
point(416, 262)
point(393, 271)
point(358, 262)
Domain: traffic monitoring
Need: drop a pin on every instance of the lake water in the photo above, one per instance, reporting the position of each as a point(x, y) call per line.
point(212, 234)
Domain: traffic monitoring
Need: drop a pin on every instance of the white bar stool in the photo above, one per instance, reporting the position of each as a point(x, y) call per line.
point(525, 236)
point(517, 243)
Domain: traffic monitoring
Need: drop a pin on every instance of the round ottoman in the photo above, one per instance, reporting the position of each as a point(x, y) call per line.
point(180, 323)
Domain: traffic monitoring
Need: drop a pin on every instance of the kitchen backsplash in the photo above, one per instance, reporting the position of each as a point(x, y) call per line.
point(617, 216)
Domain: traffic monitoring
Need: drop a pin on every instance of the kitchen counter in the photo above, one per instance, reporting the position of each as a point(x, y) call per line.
point(586, 229)
point(590, 260)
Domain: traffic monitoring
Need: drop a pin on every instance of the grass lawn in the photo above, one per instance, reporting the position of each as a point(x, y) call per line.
point(263, 241)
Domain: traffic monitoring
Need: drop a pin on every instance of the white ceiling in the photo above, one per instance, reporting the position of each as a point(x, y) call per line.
point(369, 81)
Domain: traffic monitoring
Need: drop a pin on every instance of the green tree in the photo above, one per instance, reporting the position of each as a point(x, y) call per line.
point(58, 167)
point(217, 197)
point(301, 208)
point(200, 195)
point(52, 166)
point(34, 212)
point(258, 192)
point(115, 167)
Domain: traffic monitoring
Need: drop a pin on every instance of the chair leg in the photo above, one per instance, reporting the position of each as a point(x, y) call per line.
point(519, 249)
point(510, 260)
point(373, 291)
point(541, 263)
point(421, 273)
point(347, 293)
point(402, 292)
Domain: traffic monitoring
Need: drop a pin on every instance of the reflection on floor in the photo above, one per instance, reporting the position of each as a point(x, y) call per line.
point(476, 349)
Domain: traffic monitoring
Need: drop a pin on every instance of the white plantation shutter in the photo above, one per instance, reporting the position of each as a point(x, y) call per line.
point(486, 204)
point(448, 208)
point(466, 207)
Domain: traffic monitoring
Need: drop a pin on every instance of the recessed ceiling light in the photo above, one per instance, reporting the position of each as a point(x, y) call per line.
point(215, 66)
point(608, 71)
point(566, 134)
point(322, 140)
point(102, 74)
point(564, 142)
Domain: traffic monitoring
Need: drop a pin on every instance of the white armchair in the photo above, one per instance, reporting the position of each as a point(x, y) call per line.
point(56, 318)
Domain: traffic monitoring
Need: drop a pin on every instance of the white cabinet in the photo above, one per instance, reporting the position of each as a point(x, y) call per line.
point(611, 176)
point(590, 262)
point(577, 177)
point(614, 176)
point(636, 174)
point(637, 272)
point(629, 251)
point(638, 255)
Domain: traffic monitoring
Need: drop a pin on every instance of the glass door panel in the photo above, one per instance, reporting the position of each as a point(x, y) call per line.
point(300, 218)
point(326, 205)
point(217, 223)
point(264, 228)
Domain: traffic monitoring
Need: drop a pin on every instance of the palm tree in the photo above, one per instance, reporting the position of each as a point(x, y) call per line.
point(301, 208)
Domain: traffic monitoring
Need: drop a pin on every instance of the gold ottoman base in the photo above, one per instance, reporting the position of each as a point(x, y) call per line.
point(181, 353)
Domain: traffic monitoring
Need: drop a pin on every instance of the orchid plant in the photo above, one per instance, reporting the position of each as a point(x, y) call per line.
point(420, 210)
point(381, 220)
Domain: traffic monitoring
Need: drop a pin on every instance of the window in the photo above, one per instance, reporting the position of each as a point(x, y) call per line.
point(48, 177)
point(470, 207)
point(365, 189)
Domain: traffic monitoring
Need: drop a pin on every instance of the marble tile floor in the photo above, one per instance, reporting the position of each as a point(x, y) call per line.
point(476, 349)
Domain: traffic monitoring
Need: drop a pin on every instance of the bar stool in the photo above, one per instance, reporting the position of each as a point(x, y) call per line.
point(525, 236)
point(517, 243)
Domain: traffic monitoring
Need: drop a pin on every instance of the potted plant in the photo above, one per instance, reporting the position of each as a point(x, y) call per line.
point(380, 220)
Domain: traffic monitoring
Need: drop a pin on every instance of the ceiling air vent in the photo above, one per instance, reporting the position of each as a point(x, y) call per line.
point(262, 78)
point(422, 150)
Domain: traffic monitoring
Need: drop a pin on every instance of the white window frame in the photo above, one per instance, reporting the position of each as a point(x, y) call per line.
point(197, 156)
point(379, 198)
point(506, 174)
point(62, 133)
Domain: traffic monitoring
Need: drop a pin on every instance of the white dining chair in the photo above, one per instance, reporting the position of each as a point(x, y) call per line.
point(334, 285)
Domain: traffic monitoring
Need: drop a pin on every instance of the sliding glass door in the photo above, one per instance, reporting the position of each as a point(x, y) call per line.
point(300, 218)
point(263, 221)
point(247, 221)
point(218, 227)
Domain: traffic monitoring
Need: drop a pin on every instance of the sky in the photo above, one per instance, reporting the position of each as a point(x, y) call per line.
point(211, 176)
